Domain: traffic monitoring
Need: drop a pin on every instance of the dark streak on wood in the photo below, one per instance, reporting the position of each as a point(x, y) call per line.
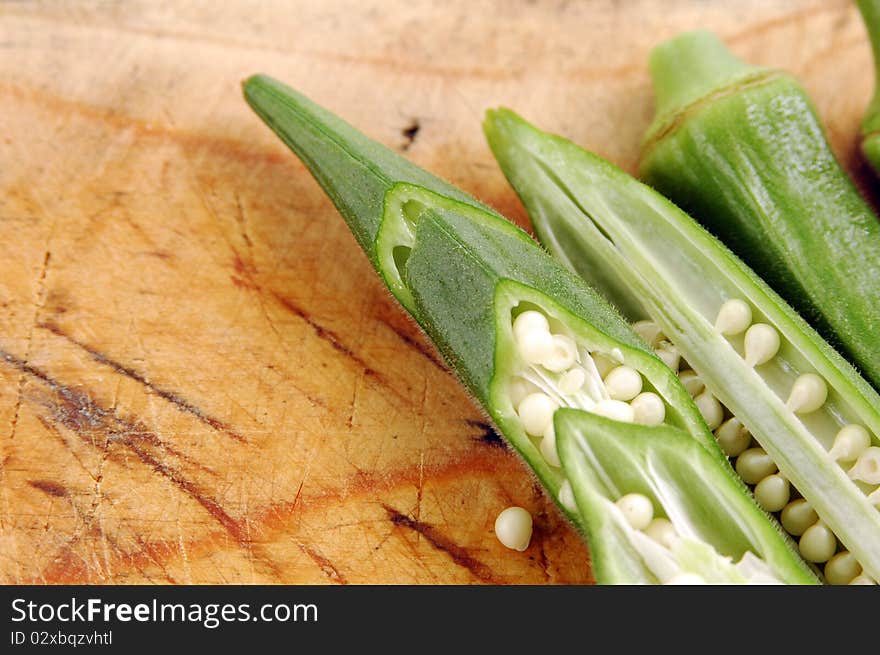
point(441, 542)
point(418, 346)
point(326, 566)
point(49, 487)
point(174, 398)
point(488, 435)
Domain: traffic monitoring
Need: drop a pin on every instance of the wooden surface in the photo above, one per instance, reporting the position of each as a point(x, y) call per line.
point(201, 379)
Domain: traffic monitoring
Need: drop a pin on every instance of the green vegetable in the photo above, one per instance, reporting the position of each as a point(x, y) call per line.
point(870, 10)
point(742, 150)
point(748, 349)
point(525, 335)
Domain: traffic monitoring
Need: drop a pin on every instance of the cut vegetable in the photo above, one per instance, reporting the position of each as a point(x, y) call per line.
point(592, 216)
point(870, 10)
point(741, 149)
point(524, 334)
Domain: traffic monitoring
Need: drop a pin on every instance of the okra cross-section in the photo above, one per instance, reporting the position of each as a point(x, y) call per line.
point(758, 371)
point(526, 336)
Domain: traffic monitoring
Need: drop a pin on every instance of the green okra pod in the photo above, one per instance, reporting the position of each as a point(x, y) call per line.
point(870, 129)
point(742, 150)
point(757, 370)
point(524, 334)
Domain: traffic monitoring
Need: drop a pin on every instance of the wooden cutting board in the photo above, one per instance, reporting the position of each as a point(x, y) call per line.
point(201, 379)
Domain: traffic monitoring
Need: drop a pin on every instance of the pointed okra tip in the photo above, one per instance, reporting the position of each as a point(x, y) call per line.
point(689, 67)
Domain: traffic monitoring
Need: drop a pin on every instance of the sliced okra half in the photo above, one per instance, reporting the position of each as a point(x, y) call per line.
point(525, 335)
point(799, 424)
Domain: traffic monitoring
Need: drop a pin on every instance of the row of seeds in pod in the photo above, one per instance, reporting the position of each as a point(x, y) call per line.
point(559, 373)
point(852, 444)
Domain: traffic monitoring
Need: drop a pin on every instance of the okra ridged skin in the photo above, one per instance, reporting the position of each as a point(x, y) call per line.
point(870, 128)
point(467, 276)
point(593, 216)
point(742, 150)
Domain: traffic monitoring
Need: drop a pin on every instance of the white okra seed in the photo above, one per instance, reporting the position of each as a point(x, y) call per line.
point(535, 346)
point(637, 509)
point(692, 382)
point(842, 568)
point(662, 531)
point(797, 516)
point(513, 527)
point(850, 442)
point(862, 579)
point(761, 344)
point(623, 383)
point(733, 437)
point(566, 496)
point(710, 408)
point(536, 413)
point(773, 492)
point(808, 393)
point(648, 408)
point(649, 331)
point(754, 464)
point(603, 363)
point(867, 466)
point(562, 355)
point(615, 409)
point(817, 543)
point(734, 317)
point(548, 447)
point(530, 321)
point(669, 354)
point(519, 389)
point(572, 380)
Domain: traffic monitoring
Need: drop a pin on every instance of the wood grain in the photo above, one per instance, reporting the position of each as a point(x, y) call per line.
point(201, 379)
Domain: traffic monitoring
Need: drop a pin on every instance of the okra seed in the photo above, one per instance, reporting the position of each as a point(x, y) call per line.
point(842, 568)
point(623, 383)
point(773, 492)
point(530, 321)
point(662, 531)
point(615, 409)
point(761, 344)
point(513, 527)
point(668, 354)
point(548, 447)
point(519, 389)
point(710, 408)
point(649, 331)
point(797, 516)
point(535, 346)
point(562, 355)
point(637, 510)
point(850, 442)
point(867, 466)
point(733, 437)
point(808, 393)
point(754, 464)
point(692, 382)
point(685, 579)
point(566, 496)
point(818, 543)
point(603, 363)
point(536, 413)
point(734, 317)
point(648, 409)
point(862, 579)
point(572, 380)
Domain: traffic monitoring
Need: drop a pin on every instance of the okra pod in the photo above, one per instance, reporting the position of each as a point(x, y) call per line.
point(757, 369)
point(742, 150)
point(870, 129)
point(525, 335)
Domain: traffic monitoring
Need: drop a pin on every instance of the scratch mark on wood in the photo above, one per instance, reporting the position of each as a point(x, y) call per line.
point(441, 542)
point(172, 397)
point(326, 566)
